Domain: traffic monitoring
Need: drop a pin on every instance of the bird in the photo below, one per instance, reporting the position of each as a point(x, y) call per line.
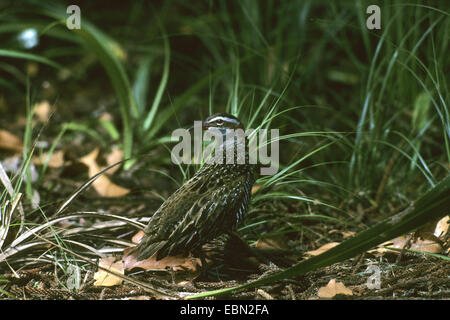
point(210, 204)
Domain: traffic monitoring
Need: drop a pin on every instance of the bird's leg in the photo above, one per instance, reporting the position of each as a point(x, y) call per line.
point(204, 266)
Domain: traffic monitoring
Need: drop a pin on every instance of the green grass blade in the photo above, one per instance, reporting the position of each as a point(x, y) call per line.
point(162, 86)
point(107, 52)
point(28, 56)
point(141, 83)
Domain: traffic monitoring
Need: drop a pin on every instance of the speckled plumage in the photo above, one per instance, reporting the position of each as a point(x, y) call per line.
point(210, 204)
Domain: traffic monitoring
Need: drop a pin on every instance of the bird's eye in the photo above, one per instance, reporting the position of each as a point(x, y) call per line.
point(219, 122)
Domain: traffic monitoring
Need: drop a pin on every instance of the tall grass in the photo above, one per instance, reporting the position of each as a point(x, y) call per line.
point(384, 90)
point(363, 114)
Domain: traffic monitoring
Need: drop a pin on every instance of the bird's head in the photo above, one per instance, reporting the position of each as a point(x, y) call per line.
point(222, 121)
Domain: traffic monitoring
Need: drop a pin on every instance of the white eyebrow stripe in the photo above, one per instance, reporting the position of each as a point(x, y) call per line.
point(225, 119)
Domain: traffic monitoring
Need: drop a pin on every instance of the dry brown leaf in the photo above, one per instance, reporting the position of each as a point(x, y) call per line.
point(141, 298)
point(332, 289)
point(56, 159)
point(426, 246)
point(106, 116)
point(322, 249)
point(106, 279)
point(91, 157)
point(255, 188)
point(176, 269)
point(102, 185)
point(10, 141)
point(115, 156)
point(348, 234)
point(442, 227)
point(42, 111)
point(175, 263)
point(138, 237)
point(417, 244)
point(381, 248)
point(427, 231)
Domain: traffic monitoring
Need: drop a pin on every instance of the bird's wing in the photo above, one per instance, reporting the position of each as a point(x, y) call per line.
point(200, 210)
point(210, 215)
point(171, 213)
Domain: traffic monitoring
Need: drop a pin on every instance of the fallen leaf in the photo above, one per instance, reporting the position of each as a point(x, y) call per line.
point(42, 111)
point(264, 294)
point(175, 263)
point(102, 184)
point(417, 245)
point(348, 234)
point(381, 248)
point(255, 188)
point(115, 156)
point(140, 298)
point(424, 245)
point(176, 269)
point(332, 289)
point(56, 159)
point(9, 141)
point(106, 117)
point(138, 237)
point(106, 279)
point(322, 249)
point(442, 227)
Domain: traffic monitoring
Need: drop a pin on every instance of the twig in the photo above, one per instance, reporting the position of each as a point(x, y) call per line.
point(264, 294)
point(291, 291)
